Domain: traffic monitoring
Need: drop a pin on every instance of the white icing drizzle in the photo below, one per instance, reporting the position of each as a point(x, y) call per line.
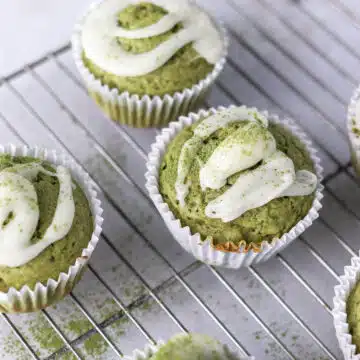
point(100, 31)
point(304, 184)
point(18, 198)
point(247, 146)
point(65, 208)
point(201, 133)
point(226, 116)
point(225, 160)
point(190, 148)
point(254, 188)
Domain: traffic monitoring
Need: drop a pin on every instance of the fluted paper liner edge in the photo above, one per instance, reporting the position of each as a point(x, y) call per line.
point(203, 250)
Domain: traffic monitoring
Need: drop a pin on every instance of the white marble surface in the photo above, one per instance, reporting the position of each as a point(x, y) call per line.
point(31, 28)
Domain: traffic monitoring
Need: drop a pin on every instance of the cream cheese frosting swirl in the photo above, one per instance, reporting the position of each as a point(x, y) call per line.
point(19, 213)
point(100, 31)
point(265, 172)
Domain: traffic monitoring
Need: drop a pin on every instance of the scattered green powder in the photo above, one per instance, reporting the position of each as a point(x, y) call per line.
point(128, 292)
point(44, 335)
point(356, 131)
point(107, 308)
point(65, 356)
point(12, 346)
point(119, 327)
point(146, 305)
point(78, 327)
point(95, 346)
point(102, 304)
point(258, 335)
point(134, 292)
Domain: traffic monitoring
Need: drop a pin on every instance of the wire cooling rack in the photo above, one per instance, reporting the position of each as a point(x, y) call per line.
point(296, 58)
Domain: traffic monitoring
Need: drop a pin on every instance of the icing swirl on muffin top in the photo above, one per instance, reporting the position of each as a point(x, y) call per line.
point(100, 31)
point(19, 213)
point(265, 172)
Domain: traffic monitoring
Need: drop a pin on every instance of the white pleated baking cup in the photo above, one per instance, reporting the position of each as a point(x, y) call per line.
point(150, 350)
point(353, 127)
point(43, 295)
point(144, 111)
point(347, 282)
point(203, 250)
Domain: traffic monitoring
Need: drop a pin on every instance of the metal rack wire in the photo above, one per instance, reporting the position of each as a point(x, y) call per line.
point(308, 269)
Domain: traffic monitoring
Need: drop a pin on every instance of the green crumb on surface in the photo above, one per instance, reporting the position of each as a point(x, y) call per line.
point(13, 347)
point(78, 327)
point(107, 308)
point(258, 335)
point(256, 225)
point(95, 346)
point(147, 305)
point(183, 70)
point(65, 356)
point(60, 255)
point(44, 335)
point(119, 327)
point(356, 131)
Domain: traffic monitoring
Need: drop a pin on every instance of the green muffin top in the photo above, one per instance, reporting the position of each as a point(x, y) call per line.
point(237, 179)
point(45, 219)
point(194, 347)
point(145, 48)
point(353, 315)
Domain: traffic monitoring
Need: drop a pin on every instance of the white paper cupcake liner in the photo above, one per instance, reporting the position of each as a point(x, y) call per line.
point(203, 250)
point(342, 291)
point(144, 111)
point(353, 126)
point(150, 350)
point(43, 295)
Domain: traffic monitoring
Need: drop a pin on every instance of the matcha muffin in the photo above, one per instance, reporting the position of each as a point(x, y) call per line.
point(353, 315)
point(145, 63)
point(347, 309)
point(235, 179)
point(186, 347)
point(47, 226)
point(353, 126)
